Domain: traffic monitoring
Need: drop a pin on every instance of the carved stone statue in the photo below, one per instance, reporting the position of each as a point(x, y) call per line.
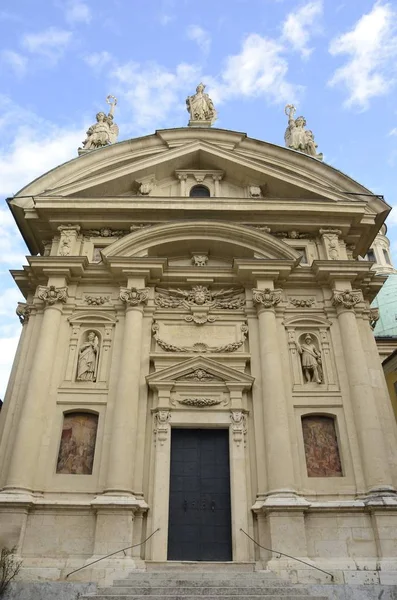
point(311, 360)
point(297, 137)
point(87, 364)
point(200, 106)
point(104, 131)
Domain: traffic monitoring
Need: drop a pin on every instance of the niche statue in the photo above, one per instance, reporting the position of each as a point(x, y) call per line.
point(311, 360)
point(87, 365)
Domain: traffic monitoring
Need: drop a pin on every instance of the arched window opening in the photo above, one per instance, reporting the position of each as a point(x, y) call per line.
point(321, 446)
point(199, 191)
point(77, 447)
point(387, 257)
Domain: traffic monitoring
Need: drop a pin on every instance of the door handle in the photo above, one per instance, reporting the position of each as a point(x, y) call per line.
point(213, 506)
point(185, 505)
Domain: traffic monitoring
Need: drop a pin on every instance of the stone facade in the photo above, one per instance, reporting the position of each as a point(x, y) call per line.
point(247, 310)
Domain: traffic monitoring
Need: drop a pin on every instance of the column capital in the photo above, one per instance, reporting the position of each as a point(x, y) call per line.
point(266, 298)
point(50, 294)
point(347, 298)
point(133, 296)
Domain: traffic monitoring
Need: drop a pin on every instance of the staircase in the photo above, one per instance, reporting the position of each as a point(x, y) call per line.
point(196, 585)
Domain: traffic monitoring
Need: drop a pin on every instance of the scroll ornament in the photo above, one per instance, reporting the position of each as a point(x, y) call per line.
point(51, 294)
point(267, 297)
point(347, 298)
point(133, 296)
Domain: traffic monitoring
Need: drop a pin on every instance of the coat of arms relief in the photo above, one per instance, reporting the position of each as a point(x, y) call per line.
point(200, 301)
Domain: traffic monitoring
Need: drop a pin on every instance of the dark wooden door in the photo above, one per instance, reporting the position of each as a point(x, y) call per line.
point(199, 525)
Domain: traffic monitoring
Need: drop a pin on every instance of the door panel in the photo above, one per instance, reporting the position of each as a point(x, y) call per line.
point(199, 515)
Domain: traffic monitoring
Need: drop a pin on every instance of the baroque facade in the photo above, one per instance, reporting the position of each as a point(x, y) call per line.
point(197, 361)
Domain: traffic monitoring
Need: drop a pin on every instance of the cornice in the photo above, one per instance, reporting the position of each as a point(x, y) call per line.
point(250, 270)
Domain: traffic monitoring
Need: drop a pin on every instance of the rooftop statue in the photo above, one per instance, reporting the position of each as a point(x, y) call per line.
point(104, 131)
point(297, 137)
point(201, 107)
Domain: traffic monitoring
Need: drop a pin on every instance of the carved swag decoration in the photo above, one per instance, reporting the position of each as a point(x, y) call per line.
point(51, 294)
point(267, 297)
point(199, 301)
point(133, 296)
point(200, 347)
point(199, 402)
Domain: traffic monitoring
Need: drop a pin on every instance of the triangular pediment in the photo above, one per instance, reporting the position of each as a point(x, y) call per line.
point(200, 370)
point(115, 170)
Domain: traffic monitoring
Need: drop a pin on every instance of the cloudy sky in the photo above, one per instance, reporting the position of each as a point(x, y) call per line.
point(59, 59)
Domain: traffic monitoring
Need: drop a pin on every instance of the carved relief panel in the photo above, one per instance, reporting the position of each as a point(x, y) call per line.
point(311, 357)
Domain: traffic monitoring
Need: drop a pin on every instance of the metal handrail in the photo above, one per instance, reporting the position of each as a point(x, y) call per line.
point(112, 554)
point(283, 554)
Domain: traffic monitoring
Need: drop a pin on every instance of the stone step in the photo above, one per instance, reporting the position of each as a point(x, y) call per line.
point(183, 581)
point(272, 596)
point(199, 565)
point(204, 591)
point(197, 576)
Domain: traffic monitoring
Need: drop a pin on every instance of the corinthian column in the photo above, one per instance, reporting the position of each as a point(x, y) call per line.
point(373, 452)
point(21, 475)
point(278, 450)
point(124, 429)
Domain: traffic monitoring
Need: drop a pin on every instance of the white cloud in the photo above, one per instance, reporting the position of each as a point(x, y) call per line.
point(16, 61)
point(165, 19)
point(393, 131)
point(50, 43)
point(77, 12)
point(301, 25)
point(97, 60)
point(153, 93)
point(200, 36)
point(371, 48)
point(260, 69)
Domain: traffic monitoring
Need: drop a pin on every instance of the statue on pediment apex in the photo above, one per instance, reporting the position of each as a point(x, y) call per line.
point(200, 106)
point(104, 131)
point(297, 137)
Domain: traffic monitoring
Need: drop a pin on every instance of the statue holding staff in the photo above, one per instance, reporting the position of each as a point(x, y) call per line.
point(104, 131)
point(297, 137)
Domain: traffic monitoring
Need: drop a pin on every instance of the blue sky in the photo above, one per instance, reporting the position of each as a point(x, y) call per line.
point(59, 59)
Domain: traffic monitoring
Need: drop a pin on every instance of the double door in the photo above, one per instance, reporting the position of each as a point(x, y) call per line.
point(199, 525)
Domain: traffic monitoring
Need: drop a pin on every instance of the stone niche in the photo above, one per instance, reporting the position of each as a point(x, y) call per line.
point(317, 327)
point(89, 351)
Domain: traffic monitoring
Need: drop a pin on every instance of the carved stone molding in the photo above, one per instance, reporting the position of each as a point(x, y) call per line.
point(347, 298)
point(267, 298)
point(51, 294)
point(199, 375)
point(263, 228)
point(106, 232)
point(302, 302)
point(23, 311)
point(239, 426)
point(200, 347)
point(137, 226)
point(68, 234)
point(96, 300)
point(161, 426)
point(199, 402)
point(199, 260)
point(292, 235)
point(331, 242)
point(133, 296)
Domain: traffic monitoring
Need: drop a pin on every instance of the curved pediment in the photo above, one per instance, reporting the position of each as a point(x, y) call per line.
point(222, 239)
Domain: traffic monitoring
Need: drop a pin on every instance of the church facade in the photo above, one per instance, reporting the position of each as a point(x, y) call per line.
point(197, 363)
